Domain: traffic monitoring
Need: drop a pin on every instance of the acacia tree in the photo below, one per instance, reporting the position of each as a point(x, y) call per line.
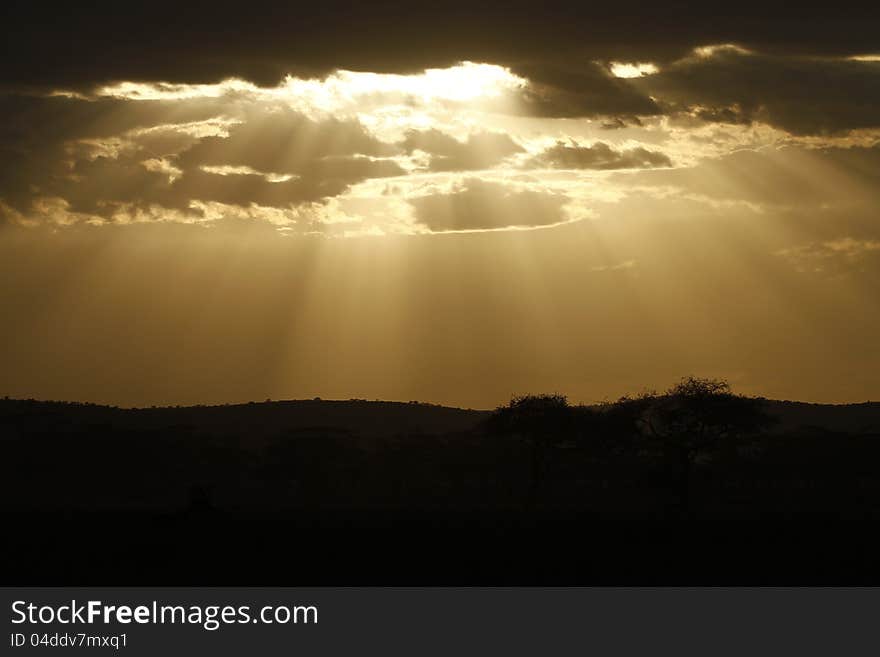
point(692, 421)
point(542, 421)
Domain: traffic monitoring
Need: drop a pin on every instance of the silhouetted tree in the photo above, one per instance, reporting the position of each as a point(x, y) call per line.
point(543, 421)
point(692, 422)
point(611, 429)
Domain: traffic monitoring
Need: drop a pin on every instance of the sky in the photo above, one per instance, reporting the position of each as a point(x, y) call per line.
point(212, 203)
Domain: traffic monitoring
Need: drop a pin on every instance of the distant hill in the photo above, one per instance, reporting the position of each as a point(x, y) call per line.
point(852, 418)
point(359, 417)
point(257, 419)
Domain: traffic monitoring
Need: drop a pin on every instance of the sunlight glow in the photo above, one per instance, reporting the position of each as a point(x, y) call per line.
point(465, 82)
point(710, 51)
point(226, 170)
point(632, 70)
point(169, 91)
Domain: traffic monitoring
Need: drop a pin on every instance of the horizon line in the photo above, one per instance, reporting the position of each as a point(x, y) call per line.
point(318, 399)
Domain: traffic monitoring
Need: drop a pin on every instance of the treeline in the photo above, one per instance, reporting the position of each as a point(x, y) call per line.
point(696, 447)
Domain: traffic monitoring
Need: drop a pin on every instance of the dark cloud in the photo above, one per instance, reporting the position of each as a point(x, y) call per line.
point(64, 43)
point(325, 178)
point(479, 151)
point(804, 95)
point(598, 156)
point(480, 205)
point(800, 83)
point(733, 115)
point(37, 134)
point(100, 155)
point(285, 141)
point(30, 121)
point(103, 184)
point(579, 89)
point(617, 122)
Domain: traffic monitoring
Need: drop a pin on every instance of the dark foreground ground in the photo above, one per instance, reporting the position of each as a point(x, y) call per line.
point(418, 548)
point(362, 493)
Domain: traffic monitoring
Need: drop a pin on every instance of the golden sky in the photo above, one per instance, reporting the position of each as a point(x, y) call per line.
point(454, 233)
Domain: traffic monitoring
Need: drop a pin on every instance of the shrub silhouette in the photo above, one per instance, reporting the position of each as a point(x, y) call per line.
point(543, 422)
point(690, 423)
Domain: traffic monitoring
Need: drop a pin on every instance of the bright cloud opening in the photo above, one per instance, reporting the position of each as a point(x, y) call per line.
point(632, 70)
point(465, 82)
